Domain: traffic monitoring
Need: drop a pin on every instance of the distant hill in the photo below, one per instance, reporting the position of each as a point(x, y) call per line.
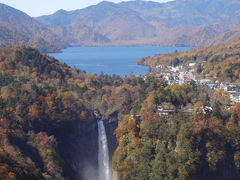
point(176, 23)
point(179, 23)
point(109, 21)
point(17, 27)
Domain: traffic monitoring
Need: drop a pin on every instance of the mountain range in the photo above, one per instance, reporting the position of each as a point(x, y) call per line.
point(17, 27)
point(175, 23)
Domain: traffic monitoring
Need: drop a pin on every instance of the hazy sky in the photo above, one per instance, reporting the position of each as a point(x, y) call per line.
point(44, 7)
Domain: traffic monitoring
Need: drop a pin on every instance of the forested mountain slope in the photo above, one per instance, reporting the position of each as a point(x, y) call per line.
point(175, 23)
point(17, 27)
point(180, 22)
point(221, 61)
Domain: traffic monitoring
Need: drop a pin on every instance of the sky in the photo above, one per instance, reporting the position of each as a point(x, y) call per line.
point(45, 7)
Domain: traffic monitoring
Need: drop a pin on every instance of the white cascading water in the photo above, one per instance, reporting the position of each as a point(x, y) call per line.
point(103, 156)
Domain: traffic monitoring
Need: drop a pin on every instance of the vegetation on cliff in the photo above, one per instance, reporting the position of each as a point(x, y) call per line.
point(36, 96)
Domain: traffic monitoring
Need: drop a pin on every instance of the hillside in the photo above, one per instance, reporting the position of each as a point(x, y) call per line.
point(109, 20)
point(17, 27)
point(221, 61)
point(34, 91)
point(180, 23)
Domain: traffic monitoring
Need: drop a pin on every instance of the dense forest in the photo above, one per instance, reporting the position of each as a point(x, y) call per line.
point(200, 146)
point(39, 95)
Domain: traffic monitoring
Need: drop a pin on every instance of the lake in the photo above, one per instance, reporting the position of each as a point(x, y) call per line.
point(111, 60)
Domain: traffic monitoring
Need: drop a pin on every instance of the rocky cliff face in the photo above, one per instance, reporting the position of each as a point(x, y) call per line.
point(78, 146)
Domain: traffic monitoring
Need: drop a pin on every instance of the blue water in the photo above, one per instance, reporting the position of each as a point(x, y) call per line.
point(111, 60)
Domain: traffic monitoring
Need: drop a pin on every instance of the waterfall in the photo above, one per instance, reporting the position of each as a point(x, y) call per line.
point(103, 154)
